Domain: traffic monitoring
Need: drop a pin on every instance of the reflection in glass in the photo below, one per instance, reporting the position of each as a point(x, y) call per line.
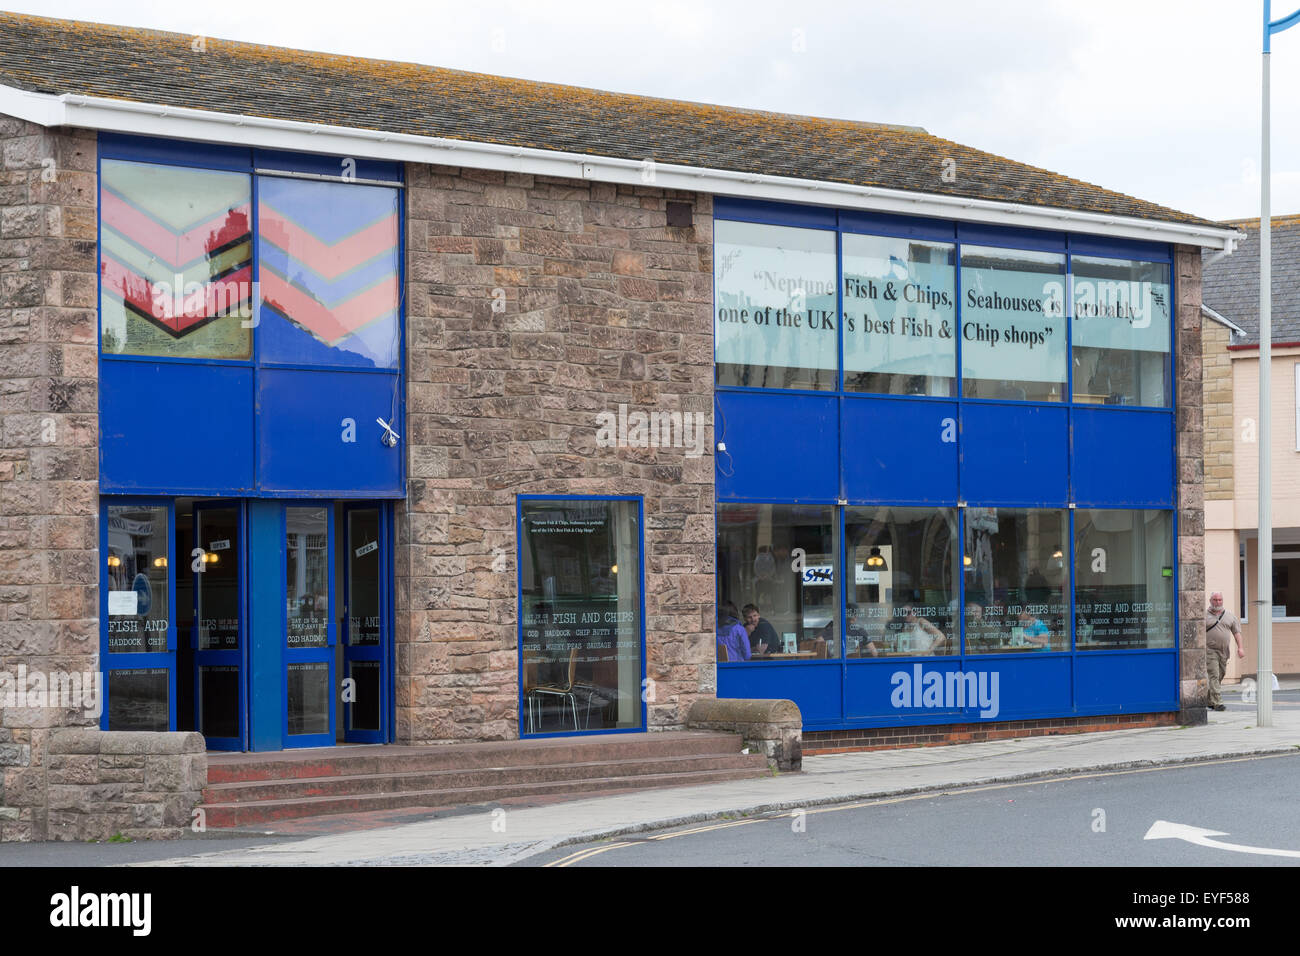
point(219, 701)
point(1012, 324)
point(308, 704)
point(137, 578)
point(774, 295)
point(363, 714)
point(363, 576)
point(1124, 591)
point(904, 594)
point(1017, 580)
point(580, 571)
point(782, 560)
point(138, 699)
point(329, 255)
point(306, 576)
point(216, 552)
point(175, 261)
point(1121, 332)
point(899, 316)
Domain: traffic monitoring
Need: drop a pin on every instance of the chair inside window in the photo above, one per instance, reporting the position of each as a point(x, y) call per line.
point(563, 691)
point(723, 656)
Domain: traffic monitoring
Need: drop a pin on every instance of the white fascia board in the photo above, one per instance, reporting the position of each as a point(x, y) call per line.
point(123, 116)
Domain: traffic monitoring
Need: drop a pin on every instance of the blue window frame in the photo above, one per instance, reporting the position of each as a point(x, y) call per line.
point(301, 414)
point(129, 552)
point(570, 608)
point(845, 448)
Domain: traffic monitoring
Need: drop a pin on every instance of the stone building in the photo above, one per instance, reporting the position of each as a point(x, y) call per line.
point(354, 401)
point(1231, 357)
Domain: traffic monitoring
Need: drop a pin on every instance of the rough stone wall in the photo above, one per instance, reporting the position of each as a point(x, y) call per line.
point(1188, 371)
point(140, 785)
point(1217, 365)
point(49, 599)
point(534, 304)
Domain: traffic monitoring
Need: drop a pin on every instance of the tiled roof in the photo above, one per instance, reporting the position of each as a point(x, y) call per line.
point(62, 56)
point(1230, 284)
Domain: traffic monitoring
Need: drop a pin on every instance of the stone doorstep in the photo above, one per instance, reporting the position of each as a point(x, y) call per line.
point(266, 811)
point(394, 758)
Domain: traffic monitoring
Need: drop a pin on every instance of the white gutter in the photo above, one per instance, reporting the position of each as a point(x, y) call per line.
point(1236, 329)
point(124, 116)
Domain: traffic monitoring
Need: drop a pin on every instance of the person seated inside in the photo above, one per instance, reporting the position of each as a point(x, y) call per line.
point(731, 633)
point(925, 638)
point(1034, 630)
point(860, 638)
point(762, 635)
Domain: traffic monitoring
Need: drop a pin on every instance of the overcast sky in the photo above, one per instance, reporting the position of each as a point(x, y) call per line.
point(1155, 98)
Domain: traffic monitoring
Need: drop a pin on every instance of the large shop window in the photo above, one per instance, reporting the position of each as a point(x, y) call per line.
point(1121, 331)
point(581, 615)
point(899, 316)
point(905, 582)
point(1286, 582)
point(1017, 580)
point(1013, 324)
point(175, 260)
point(774, 289)
point(329, 273)
point(908, 307)
point(778, 590)
point(138, 598)
point(1124, 596)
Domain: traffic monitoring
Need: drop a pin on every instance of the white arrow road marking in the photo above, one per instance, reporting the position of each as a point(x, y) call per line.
point(1164, 830)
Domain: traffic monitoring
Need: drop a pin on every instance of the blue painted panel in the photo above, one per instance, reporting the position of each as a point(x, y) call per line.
point(1122, 457)
point(814, 687)
point(894, 451)
point(1014, 455)
point(145, 149)
point(326, 165)
point(301, 446)
point(883, 224)
point(265, 624)
point(1119, 248)
point(1030, 685)
point(786, 214)
point(1010, 238)
point(902, 691)
point(1126, 683)
point(175, 428)
point(779, 446)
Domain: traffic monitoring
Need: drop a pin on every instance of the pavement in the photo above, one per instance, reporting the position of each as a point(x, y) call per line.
point(502, 835)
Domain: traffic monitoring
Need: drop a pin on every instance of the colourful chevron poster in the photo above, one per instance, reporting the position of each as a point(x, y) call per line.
point(175, 259)
point(328, 268)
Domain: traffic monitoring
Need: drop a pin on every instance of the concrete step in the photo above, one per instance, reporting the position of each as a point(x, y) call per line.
point(363, 759)
point(403, 780)
point(268, 811)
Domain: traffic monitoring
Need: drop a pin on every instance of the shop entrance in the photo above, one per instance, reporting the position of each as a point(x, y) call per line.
point(283, 622)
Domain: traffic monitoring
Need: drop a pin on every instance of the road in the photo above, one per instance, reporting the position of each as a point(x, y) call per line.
point(1093, 819)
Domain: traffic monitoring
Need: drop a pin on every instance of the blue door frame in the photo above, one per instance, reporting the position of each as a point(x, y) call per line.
point(110, 662)
point(374, 655)
point(225, 658)
point(306, 655)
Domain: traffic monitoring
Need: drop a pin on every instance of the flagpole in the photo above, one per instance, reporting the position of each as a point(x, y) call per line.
point(1264, 558)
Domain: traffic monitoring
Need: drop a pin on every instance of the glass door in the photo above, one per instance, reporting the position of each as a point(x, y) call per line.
point(219, 633)
point(309, 629)
point(365, 670)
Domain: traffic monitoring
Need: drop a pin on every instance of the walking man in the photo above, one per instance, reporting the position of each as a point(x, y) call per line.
point(1221, 629)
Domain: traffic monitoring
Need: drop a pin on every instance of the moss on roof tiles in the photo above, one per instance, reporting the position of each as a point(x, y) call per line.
point(150, 66)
